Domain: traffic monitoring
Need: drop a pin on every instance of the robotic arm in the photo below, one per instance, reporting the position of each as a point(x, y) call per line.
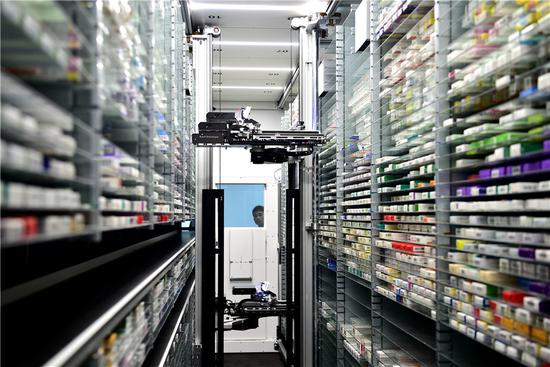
point(245, 314)
point(224, 129)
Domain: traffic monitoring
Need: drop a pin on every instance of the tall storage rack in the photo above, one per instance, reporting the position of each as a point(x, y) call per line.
point(96, 167)
point(356, 187)
point(445, 150)
point(327, 214)
point(187, 148)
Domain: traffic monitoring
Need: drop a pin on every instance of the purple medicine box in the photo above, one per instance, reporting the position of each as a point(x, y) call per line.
point(538, 287)
point(513, 170)
point(463, 191)
point(546, 145)
point(545, 164)
point(529, 167)
point(484, 173)
point(498, 172)
point(527, 252)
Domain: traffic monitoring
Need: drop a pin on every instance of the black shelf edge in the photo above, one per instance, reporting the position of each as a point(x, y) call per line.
point(110, 292)
point(25, 289)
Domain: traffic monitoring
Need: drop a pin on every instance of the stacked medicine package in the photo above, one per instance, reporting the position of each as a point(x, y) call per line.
point(498, 284)
point(405, 172)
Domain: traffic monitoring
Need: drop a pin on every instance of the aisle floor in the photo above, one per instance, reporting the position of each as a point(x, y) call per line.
point(252, 360)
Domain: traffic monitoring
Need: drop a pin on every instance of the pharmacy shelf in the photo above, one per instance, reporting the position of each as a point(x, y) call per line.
point(405, 179)
point(83, 110)
point(45, 238)
point(397, 17)
point(409, 349)
point(66, 258)
point(520, 125)
point(131, 127)
point(33, 47)
point(330, 203)
point(426, 123)
point(174, 344)
point(113, 290)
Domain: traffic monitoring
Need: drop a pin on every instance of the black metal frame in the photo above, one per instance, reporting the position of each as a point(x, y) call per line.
point(291, 337)
point(212, 304)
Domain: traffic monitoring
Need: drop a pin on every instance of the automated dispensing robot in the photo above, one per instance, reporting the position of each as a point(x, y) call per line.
point(215, 313)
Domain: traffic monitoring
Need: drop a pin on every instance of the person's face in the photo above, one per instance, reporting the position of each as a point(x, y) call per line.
point(259, 217)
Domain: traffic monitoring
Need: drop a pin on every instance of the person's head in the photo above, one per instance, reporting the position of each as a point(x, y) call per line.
point(258, 215)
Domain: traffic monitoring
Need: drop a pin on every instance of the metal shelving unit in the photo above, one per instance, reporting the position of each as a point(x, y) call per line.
point(356, 211)
point(445, 274)
point(97, 172)
point(328, 205)
point(476, 134)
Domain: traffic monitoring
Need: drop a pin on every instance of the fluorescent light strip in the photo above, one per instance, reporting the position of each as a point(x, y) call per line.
point(255, 44)
point(307, 8)
point(246, 87)
point(244, 68)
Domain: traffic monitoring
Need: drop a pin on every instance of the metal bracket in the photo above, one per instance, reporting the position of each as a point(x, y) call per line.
point(316, 21)
point(214, 31)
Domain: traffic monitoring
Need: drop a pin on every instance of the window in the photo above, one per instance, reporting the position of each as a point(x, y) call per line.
point(243, 205)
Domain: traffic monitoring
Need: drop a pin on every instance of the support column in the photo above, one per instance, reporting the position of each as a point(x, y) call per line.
point(202, 67)
point(309, 28)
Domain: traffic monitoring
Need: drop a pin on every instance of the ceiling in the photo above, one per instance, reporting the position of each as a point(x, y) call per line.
point(257, 51)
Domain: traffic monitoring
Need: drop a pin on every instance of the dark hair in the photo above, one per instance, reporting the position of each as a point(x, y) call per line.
point(258, 208)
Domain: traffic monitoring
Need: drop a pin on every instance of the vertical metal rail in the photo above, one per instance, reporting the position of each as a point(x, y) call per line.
point(290, 256)
point(187, 165)
point(340, 160)
point(283, 253)
point(442, 163)
point(298, 307)
point(220, 300)
point(179, 118)
point(376, 152)
point(149, 42)
point(212, 251)
point(188, 148)
point(316, 211)
point(172, 106)
point(86, 106)
point(309, 114)
point(202, 66)
point(283, 187)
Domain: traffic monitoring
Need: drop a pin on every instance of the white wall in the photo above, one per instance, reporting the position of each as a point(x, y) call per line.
point(232, 165)
point(264, 112)
point(235, 162)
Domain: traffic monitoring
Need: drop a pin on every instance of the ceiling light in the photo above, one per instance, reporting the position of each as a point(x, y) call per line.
point(256, 44)
point(245, 87)
point(244, 68)
point(304, 9)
